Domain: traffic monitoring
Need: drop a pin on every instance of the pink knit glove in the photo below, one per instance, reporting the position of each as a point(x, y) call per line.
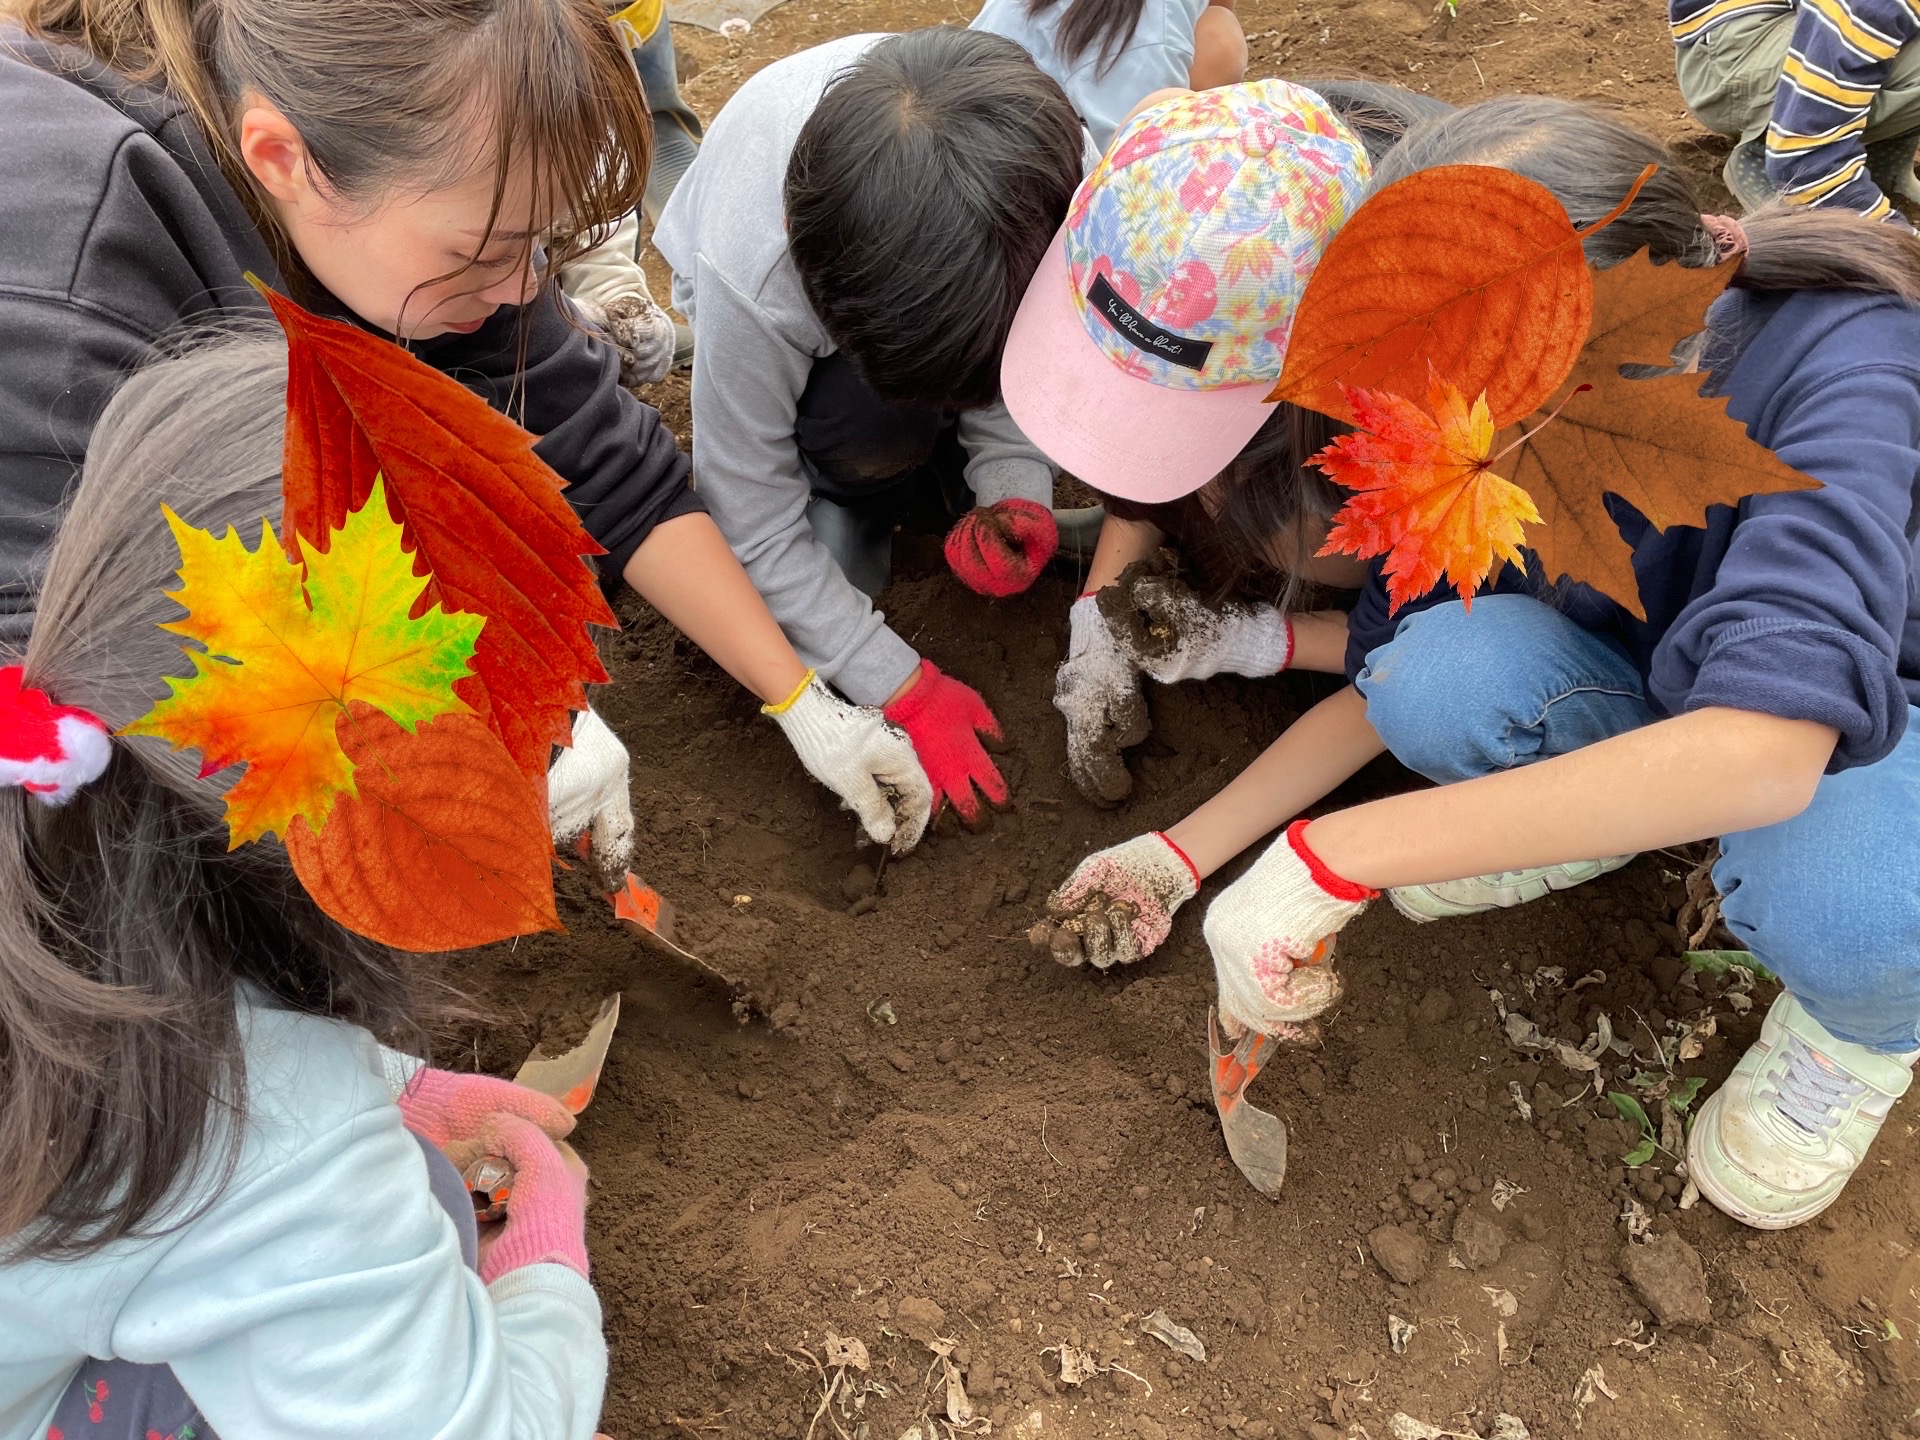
point(442, 1107)
point(546, 1220)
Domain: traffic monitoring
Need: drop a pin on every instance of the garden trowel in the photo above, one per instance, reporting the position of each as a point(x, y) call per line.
point(1256, 1140)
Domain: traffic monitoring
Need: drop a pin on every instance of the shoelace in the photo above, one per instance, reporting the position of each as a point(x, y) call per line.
point(1812, 1091)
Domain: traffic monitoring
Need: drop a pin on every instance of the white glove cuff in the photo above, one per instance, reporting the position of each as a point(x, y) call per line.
point(1257, 641)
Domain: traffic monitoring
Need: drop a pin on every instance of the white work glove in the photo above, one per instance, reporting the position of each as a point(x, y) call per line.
point(865, 759)
point(1271, 934)
point(587, 793)
point(1180, 637)
point(641, 332)
point(1099, 694)
point(1118, 904)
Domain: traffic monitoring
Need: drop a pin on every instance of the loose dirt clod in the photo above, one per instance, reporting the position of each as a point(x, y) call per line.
point(1401, 1255)
point(1667, 1275)
point(1479, 1239)
point(920, 1319)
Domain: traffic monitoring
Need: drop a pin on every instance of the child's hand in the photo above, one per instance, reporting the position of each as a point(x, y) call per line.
point(1118, 904)
point(869, 763)
point(1001, 549)
point(442, 1107)
point(546, 1220)
point(945, 721)
point(1098, 692)
point(587, 793)
point(1181, 637)
point(1271, 933)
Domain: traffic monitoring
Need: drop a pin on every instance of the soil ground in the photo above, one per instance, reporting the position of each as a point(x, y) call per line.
point(924, 1109)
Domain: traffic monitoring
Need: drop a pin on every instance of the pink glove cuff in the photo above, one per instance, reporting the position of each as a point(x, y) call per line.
point(547, 1215)
point(442, 1107)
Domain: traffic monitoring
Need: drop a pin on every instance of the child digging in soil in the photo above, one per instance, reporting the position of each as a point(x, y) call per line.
point(391, 165)
point(849, 248)
point(1109, 55)
point(1766, 700)
point(224, 1210)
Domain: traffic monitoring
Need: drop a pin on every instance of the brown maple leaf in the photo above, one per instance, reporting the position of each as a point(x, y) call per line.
point(1657, 443)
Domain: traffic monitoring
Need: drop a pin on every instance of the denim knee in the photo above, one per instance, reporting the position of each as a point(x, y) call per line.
point(1826, 900)
point(1459, 693)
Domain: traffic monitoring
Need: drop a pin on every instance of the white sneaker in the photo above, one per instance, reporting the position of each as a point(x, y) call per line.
point(1480, 893)
point(1776, 1144)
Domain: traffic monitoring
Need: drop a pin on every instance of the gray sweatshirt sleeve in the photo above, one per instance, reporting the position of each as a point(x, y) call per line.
point(1002, 464)
point(747, 381)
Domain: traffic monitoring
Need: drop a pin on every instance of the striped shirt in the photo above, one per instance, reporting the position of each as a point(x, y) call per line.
point(1839, 58)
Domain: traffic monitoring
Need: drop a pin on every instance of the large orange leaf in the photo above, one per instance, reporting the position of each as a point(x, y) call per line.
point(484, 515)
point(288, 648)
point(1657, 443)
point(1473, 270)
point(444, 846)
point(1424, 493)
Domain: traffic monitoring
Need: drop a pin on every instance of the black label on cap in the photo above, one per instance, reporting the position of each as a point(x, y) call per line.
point(1142, 333)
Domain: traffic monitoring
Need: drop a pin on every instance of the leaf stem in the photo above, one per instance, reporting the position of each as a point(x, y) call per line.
point(1495, 459)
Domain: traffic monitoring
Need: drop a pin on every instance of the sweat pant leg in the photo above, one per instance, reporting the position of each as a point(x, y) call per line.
point(1828, 901)
point(119, 1400)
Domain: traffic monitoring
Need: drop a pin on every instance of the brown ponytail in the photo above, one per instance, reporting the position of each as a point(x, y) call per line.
point(387, 93)
point(1589, 159)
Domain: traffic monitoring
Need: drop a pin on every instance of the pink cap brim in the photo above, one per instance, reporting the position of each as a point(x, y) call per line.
point(1120, 434)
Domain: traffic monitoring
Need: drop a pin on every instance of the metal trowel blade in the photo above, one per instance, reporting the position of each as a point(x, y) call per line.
point(570, 1078)
point(1256, 1140)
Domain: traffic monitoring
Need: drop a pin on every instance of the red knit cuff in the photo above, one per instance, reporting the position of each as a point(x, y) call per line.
point(1334, 885)
point(1185, 859)
point(1287, 620)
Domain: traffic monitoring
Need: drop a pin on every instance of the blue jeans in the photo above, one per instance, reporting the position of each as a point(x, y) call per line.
point(1826, 900)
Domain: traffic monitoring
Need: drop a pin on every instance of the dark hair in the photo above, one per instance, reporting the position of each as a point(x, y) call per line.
point(922, 193)
point(1589, 159)
point(390, 93)
point(127, 928)
point(1259, 520)
point(1101, 26)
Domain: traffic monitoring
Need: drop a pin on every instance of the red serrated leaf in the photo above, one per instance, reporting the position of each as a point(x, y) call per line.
point(445, 845)
point(484, 516)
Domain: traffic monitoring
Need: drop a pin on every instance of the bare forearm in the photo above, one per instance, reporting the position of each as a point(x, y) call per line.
point(1121, 543)
point(1706, 773)
point(686, 572)
point(1319, 751)
point(1320, 642)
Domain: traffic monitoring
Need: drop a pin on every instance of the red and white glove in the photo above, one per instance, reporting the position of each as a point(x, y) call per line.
point(1118, 904)
point(1234, 639)
point(1098, 691)
point(945, 720)
point(868, 762)
point(1271, 934)
point(546, 1220)
point(442, 1107)
point(1000, 549)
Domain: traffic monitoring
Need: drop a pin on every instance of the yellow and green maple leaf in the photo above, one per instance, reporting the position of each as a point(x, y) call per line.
point(288, 646)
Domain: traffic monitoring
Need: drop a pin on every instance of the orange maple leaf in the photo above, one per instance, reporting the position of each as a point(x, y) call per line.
point(1425, 495)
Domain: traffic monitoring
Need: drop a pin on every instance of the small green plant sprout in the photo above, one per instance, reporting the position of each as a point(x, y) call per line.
point(1725, 962)
point(1635, 1114)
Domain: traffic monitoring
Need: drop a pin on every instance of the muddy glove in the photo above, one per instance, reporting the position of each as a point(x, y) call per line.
point(869, 763)
point(587, 794)
point(441, 1107)
point(1098, 692)
point(1118, 904)
point(1271, 934)
point(641, 332)
point(945, 721)
point(1180, 637)
point(1000, 549)
point(546, 1220)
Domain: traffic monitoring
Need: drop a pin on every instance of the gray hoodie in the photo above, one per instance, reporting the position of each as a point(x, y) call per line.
point(755, 340)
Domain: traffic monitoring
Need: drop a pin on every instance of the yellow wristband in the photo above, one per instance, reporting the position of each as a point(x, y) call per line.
point(791, 700)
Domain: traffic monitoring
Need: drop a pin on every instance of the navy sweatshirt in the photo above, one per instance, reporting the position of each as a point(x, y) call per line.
point(1800, 605)
point(117, 230)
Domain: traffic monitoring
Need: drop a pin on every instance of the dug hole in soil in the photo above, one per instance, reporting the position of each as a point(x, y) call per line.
point(929, 1130)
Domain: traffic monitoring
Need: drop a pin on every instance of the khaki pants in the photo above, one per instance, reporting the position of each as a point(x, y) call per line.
point(1728, 76)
